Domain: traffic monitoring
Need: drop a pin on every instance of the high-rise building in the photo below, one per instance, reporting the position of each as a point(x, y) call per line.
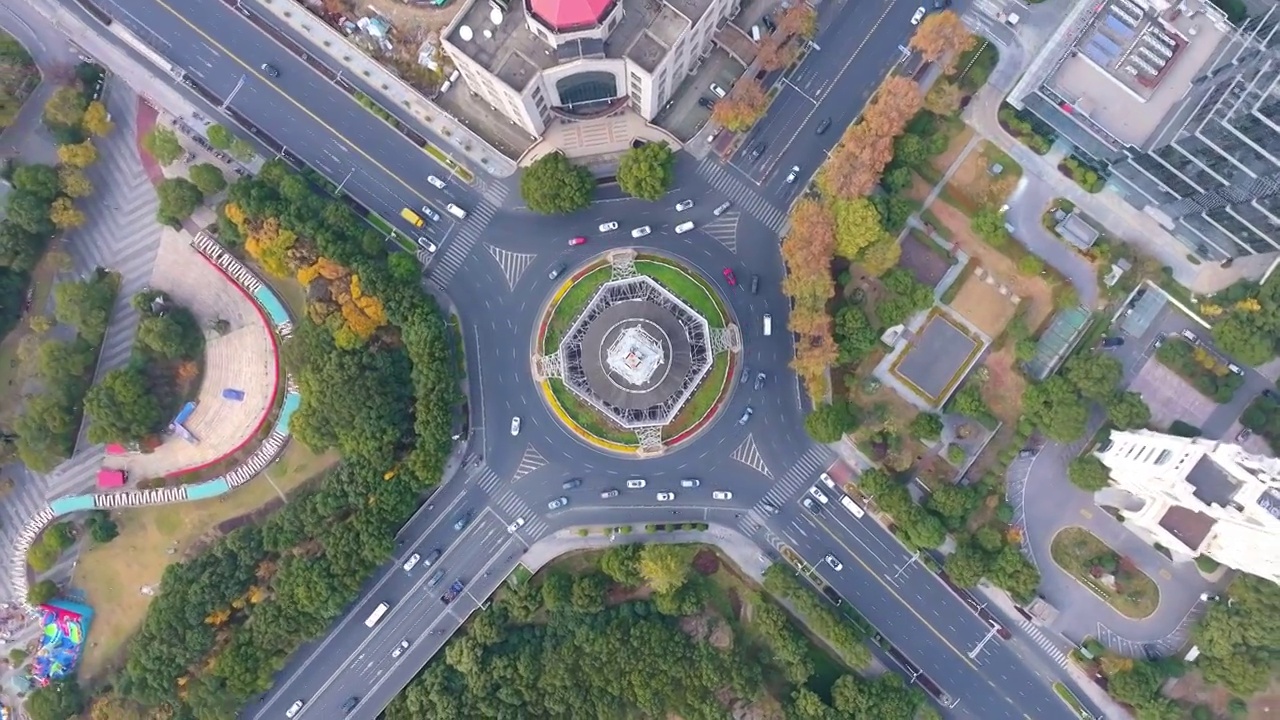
point(1181, 105)
point(1197, 497)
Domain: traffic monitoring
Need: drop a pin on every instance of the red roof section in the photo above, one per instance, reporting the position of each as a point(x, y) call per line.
point(565, 14)
point(110, 478)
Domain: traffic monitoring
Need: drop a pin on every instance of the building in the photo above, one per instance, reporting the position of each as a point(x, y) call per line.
point(1179, 104)
point(1199, 497)
point(535, 60)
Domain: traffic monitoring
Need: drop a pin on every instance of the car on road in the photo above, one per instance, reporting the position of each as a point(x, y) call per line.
point(721, 495)
point(832, 595)
point(760, 378)
point(719, 91)
point(795, 172)
point(641, 231)
point(690, 483)
point(515, 426)
point(757, 150)
point(577, 241)
point(823, 126)
point(769, 23)
point(271, 70)
point(1235, 369)
point(426, 210)
point(730, 277)
point(412, 562)
point(833, 562)
point(293, 709)
point(721, 208)
point(746, 415)
point(555, 271)
point(571, 484)
point(811, 506)
point(436, 577)
point(745, 375)
point(515, 525)
point(768, 507)
point(426, 244)
point(707, 102)
point(1243, 435)
point(684, 227)
point(1112, 342)
point(350, 704)
point(755, 284)
point(431, 558)
point(609, 226)
point(609, 494)
point(818, 495)
point(463, 521)
point(435, 182)
point(635, 483)
point(666, 496)
point(404, 645)
point(684, 205)
point(558, 503)
point(1190, 336)
point(915, 19)
point(826, 480)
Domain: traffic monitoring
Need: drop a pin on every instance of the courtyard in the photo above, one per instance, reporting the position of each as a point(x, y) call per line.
point(937, 357)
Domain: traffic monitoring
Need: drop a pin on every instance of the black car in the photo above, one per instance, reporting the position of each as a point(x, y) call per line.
point(270, 69)
point(822, 126)
point(755, 284)
point(757, 150)
point(707, 102)
point(1271, 395)
point(571, 484)
point(350, 704)
point(1112, 342)
point(463, 521)
point(832, 595)
point(811, 506)
point(769, 23)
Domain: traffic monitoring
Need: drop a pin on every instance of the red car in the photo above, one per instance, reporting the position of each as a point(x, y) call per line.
point(577, 241)
point(728, 275)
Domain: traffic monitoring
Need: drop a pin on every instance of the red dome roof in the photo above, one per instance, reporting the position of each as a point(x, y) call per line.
point(566, 14)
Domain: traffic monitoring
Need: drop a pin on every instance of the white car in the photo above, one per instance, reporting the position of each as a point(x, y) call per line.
point(641, 231)
point(684, 205)
point(666, 496)
point(791, 176)
point(404, 645)
point(834, 563)
point(515, 426)
point(519, 523)
point(293, 709)
point(721, 495)
point(915, 19)
point(684, 227)
point(608, 227)
point(721, 208)
point(826, 480)
point(427, 245)
point(558, 503)
point(435, 182)
point(818, 495)
point(635, 483)
point(430, 213)
point(690, 483)
point(412, 562)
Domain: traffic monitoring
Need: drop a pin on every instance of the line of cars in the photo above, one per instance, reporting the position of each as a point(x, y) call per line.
point(426, 211)
point(643, 230)
point(816, 498)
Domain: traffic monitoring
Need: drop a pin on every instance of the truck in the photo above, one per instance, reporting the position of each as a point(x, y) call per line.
point(454, 590)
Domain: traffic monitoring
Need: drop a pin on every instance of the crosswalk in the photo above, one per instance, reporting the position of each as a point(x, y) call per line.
point(814, 460)
point(741, 195)
point(1045, 643)
point(513, 264)
point(488, 480)
point(514, 507)
point(449, 260)
point(725, 230)
point(493, 190)
point(748, 454)
point(530, 461)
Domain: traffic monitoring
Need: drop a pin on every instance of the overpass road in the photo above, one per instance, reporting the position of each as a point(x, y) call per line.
point(494, 266)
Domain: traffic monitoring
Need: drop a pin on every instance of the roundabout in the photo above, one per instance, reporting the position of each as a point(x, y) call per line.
point(633, 353)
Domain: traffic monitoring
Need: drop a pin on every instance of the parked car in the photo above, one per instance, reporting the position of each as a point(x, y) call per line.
point(1158, 342)
point(717, 90)
point(915, 19)
point(684, 205)
point(721, 208)
point(666, 496)
point(558, 503)
point(1243, 435)
point(1235, 369)
point(1112, 342)
point(1271, 395)
point(1189, 336)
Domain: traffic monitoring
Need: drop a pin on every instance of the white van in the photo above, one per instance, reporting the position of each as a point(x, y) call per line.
point(684, 227)
point(755, 33)
point(456, 211)
point(768, 324)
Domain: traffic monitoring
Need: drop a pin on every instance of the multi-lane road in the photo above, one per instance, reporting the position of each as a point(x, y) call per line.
point(494, 266)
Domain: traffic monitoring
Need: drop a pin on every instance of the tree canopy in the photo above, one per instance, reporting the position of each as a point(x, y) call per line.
point(829, 422)
point(746, 102)
point(554, 186)
point(646, 171)
point(179, 198)
point(1088, 473)
point(162, 144)
point(122, 408)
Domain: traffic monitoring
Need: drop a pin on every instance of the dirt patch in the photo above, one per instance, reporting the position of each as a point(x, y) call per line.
point(920, 188)
point(982, 304)
point(618, 594)
point(1004, 386)
point(706, 562)
point(927, 266)
point(954, 148)
point(882, 433)
point(974, 186)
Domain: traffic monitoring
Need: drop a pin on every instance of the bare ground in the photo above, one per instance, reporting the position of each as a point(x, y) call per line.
point(973, 186)
point(1003, 389)
point(984, 306)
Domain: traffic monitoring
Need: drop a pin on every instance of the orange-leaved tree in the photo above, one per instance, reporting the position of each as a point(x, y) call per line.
point(942, 36)
point(745, 105)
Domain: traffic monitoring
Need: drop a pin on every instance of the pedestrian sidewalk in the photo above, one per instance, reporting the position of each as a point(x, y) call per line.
point(392, 93)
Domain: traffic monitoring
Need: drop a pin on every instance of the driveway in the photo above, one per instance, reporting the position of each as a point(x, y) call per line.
point(1026, 206)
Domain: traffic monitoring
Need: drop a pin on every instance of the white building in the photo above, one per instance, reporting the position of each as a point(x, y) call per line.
point(536, 59)
point(1199, 497)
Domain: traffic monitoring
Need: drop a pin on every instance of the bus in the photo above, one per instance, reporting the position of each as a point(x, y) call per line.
point(411, 217)
point(376, 615)
point(852, 506)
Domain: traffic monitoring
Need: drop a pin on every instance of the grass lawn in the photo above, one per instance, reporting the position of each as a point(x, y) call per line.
point(687, 287)
point(12, 372)
point(588, 417)
point(151, 538)
point(1079, 551)
point(572, 303)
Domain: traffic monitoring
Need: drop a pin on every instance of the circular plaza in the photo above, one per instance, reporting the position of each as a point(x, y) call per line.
point(635, 352)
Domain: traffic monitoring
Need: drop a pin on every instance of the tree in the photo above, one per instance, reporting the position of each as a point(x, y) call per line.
point(80, 155)
point(943, 98)
point(857, 226)
point(926, 426)
point(42, 592)
point(122, 407)
point(1088, 473)
point(895, 103)
point(65, 108)
point(1127, 410)
point(776, 52)
point(59, 700)
point(988, 224)
point(1015, 573)
point(41, 181)
point(942, 36)
point(162, 144)
point(241, 150)
point(178, 199)
point(554, 186)
point(665, 568)
point(952, 503)
point(102, 528)
point(854, 334)
point(1056, 407)
point(1244, 338)
point(73, 182)
point(219, 136)
point(84, 305)
point(1095, 375)
point(96, 120)
point(745, 104)
point(855, 165)
point(967, 565)
point(828, 422)
point(1030, 265)
point(172, 336)
point(880, 256)
point(208, 178)
point(798, 19)
point(646, 171)
point(65, 215)
point(557, 589)
point(621, 562)
point(588, 593)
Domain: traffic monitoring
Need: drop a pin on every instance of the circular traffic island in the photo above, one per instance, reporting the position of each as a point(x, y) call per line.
point(635, 353)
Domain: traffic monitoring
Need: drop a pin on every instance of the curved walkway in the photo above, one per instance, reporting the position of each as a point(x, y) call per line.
point(274, 444)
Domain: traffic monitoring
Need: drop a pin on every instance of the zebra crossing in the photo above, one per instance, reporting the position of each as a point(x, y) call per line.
point(748, 454)
point(530, 461)
point(724, 230)
point(487, 480)
point(456, 251)
point(814, 460)
point(513, 264)
point(493, 190)
point(1045, 643)
point(514, 507)
point(76, 475)
point(741, 195)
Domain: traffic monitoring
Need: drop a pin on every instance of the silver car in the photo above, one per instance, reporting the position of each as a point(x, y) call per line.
point(558, 503)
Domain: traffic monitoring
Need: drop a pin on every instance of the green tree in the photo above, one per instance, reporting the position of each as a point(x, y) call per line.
point(101, 527)
point(1127, 410)
point(1055, 406)
point(59, 700)
point(953, 503)
point(1095, 375)
point(65, 108)
point(665, 568)
point(208, 178)
point(219, 136)
point(1013, 572)
point(74, 183)
point(1088, 473)
point(172, 336)
point(828, 422)
point(554, 186)
point(857, 226)
point(588, 593)
point(178, 199)
point(646, 171)
point(122, 407)
point(557, 591)
point(880, 256)
point(622, 562)
point(30, 213)
point(241, 150)
point(42, 592)
point(855, 337)
point(85, 304)
point(39, 180)
point(1238, 637)
point(988, 224)
point(926, 426)
point(967, 565)
point(968, 402)
point(1030, 265)
point(162, 144)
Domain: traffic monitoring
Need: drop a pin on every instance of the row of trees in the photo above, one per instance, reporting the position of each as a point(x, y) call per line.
point(748, 100)
point(179, 197)
point(1246, 321)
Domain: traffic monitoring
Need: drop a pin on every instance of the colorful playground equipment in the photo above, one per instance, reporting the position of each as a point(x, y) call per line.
point(65, 626)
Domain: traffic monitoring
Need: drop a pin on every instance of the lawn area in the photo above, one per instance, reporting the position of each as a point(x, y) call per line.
point(572, 303)
point(1111, 576)
point(152, 538)
point(687, 287)
point(703, 398)
point(588, 417)
point(13, 371)
point(976, 184)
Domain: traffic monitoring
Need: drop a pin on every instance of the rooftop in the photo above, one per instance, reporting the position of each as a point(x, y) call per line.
point(1187, 525)
point(1213, 486)
point(1130, 68)
point(506, 48)
point(663, 31)
point(566, 15)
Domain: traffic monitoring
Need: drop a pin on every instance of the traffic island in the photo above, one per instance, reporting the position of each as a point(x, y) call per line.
point(634, 353)
point(1110, 575)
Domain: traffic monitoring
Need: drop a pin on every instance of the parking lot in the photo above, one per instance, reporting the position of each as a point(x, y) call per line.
point(683, 116)
point(1170, 397)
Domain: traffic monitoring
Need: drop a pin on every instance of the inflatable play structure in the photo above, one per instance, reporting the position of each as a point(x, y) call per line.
point(65, 626)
